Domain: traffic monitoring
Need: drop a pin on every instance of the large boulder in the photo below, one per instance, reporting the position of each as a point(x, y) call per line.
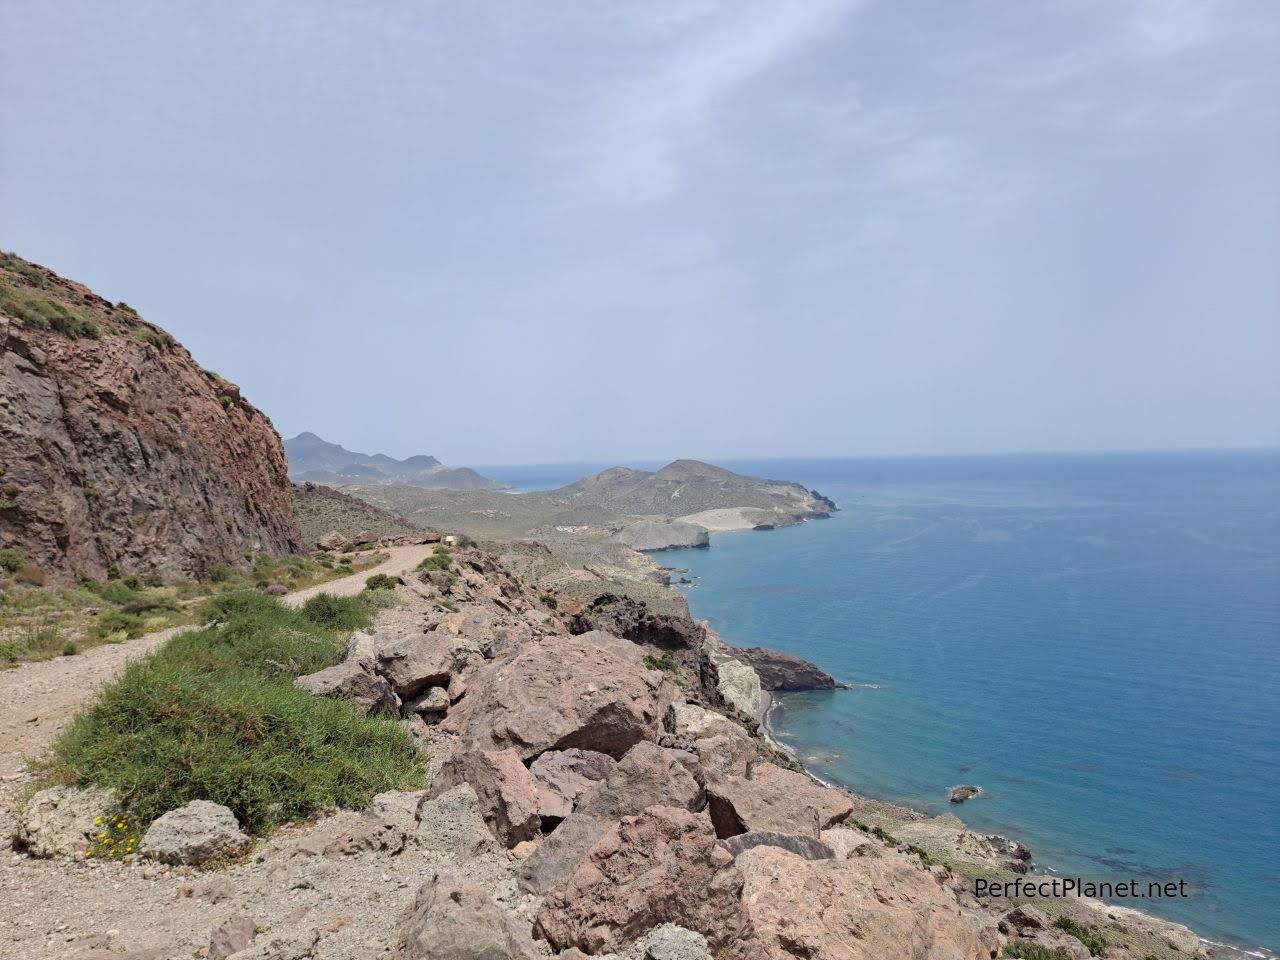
point(194, 834)
point(452, 919)
point(558, 856)
point(333, 540)
point(738, 684)
point(591, 691)
point(777, 800)
point(506, 791)
point(453, 824)
point(860, 909)
point(648, 775)
point(561, 776)
point(350, 680)
point(811, 848)
point(60, 821)
point(413, 665)
point(664, 866)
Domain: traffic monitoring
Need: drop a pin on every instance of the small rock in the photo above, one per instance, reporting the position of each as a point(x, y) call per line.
point(964, 792)
point(58, 822)
point(231, 937)
point(194, 834)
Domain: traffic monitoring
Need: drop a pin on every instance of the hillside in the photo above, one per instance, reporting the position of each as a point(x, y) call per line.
point(321, 509)
point(119, 454)
point(314, 459)
point(606, 501)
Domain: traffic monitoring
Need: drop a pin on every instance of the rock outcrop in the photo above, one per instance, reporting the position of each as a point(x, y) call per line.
point(860, 909)
point(59, 821)
point(782, 671)
point(625, 886)
point(591, 691)
point(452, 919)
point(120, 455)
point(648, 535)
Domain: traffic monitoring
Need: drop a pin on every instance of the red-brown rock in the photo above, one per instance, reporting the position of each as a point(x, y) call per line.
point(508, 796)
point(774, 799)
point(121, 455)
point(553, 693)
point(664, 866)
point(860, 909)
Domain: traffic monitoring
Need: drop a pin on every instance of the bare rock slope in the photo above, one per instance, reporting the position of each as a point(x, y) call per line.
point(118, 453)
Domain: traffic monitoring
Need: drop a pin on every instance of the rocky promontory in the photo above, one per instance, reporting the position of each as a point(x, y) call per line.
point(119, 454)
point(652, 535)
point(782, 671)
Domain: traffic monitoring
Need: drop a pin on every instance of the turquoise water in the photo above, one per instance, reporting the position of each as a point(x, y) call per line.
point(1093, 640)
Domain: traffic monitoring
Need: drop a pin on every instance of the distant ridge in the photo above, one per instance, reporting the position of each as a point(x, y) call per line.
point(314, 459)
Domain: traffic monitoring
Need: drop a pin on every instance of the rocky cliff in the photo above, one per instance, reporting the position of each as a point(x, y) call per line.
point(118, 453)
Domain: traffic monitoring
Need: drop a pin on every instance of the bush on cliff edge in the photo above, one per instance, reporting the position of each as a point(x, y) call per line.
point(214, 715)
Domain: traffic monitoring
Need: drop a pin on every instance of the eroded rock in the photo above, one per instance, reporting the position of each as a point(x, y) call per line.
point(561, 776)
point(507, 794)
point(194, 834)
point(451, 919)
point(60, 821)
point(776, 800)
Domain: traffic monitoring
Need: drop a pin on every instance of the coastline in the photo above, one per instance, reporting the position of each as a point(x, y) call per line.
point(769, 704)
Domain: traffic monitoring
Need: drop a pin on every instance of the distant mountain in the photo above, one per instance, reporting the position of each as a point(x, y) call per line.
point(319, 461)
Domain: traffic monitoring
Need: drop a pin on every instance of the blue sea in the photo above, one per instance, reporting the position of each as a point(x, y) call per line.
point(1094, 640)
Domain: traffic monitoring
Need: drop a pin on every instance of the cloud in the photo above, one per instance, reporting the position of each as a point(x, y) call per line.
point(633, 149)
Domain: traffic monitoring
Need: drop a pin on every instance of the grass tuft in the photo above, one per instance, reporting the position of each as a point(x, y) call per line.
point(214, 715)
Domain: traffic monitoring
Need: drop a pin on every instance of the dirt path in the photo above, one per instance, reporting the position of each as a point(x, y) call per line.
point(38, 700)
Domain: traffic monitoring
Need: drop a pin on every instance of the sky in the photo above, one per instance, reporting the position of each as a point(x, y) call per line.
point(509, 232)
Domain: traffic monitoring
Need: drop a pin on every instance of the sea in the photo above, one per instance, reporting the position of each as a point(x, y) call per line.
point(1092, 640)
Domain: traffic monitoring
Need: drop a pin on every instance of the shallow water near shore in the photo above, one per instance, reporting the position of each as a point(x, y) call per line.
point(1095, 641)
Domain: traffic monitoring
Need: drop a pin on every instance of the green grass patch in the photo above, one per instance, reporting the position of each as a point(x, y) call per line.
point(1091, 938)
point(214, 715)
point(382, 581)
point(440, 559)
point(1030, 950)
point(44, 313)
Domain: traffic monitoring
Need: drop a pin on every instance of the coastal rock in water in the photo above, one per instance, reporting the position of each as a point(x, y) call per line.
point(562, 776)
point(452, 919)
point(775, 800)
point(663, 535)
point(647, 775)
point(965, 792)
point(506, 791)
point(664, 866)
point(351, 681)
point(58, 822)
point(591, 691)
point(108, 420)
point(782, 671)
point(193, 834)
point(859, 909)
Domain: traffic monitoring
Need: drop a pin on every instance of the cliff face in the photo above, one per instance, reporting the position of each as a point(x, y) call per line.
point(119, 453)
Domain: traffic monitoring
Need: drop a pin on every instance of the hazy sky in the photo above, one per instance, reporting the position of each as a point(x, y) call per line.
point(514, 232)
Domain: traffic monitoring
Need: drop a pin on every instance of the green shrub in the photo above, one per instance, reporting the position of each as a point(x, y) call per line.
point(240, 603)
point(192, 722)
point(1086, 935)
point(70, 649)
point(1030, 950)
point(115, 621)
point(337, 613)
point(382, 581)
point(440, 560)
point(150, 605)
point(12, 559)
point(222, 574)
point(9, 652)
point(45, 314)
point(30, 575)
point(126, 308)
point(113, 591)
point(550, 601)
point(665, 663)
point(155, 338)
